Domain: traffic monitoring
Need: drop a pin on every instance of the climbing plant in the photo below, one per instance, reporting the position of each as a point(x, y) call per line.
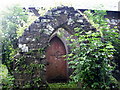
point(31, 69)
point(92, 53)
point(6, 80)
point(11, 19)
point(12, 24)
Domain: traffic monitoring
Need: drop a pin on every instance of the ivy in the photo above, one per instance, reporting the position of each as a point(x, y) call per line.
point(12, 23)
point(92, 54)
point(30, 68)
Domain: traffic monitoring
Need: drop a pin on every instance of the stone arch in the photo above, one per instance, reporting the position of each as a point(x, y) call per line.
point(38, 34)
point(60, 17)
point(61, 37)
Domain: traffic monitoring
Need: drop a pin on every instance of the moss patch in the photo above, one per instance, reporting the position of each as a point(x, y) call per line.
point(62, 85)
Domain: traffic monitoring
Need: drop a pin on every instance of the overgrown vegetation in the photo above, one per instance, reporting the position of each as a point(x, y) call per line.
point(10, 21)
point(6, 80)
point(92, 54)
point(13, 22)
point(30, 69)
point(69, 85)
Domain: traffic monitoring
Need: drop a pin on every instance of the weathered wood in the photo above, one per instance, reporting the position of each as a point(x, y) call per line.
point(56, 65)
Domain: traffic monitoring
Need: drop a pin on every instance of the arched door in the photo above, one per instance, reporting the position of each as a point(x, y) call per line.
point(56, 69)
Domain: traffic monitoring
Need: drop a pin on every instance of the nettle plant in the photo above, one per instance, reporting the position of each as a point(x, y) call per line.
point(91, 55)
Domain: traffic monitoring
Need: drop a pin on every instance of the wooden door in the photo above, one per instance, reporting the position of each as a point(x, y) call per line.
point(56, 69)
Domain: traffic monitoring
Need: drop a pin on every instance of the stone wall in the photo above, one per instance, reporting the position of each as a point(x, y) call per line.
point(59, 22)
point(38, 33)
point(56, 22)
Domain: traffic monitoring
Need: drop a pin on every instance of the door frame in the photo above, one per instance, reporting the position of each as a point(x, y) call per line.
point(55, 34)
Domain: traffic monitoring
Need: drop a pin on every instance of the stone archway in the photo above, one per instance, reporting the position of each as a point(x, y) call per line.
point(38, 34)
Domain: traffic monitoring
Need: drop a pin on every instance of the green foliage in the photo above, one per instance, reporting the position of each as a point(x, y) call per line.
point(63, 85)
point(3, 72)
point(108, 34)
point(91, 55)
point(8, 53)
point(30, 68)
point(7, 57)
point(11, 20)
point(6, 80)
point(12, 24)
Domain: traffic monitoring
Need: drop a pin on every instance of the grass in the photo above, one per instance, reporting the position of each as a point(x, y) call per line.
point(62, 85)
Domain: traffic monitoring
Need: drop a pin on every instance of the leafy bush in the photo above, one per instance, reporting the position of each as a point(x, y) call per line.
point(6, 80)
point(13, 23)
point(91, 55)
